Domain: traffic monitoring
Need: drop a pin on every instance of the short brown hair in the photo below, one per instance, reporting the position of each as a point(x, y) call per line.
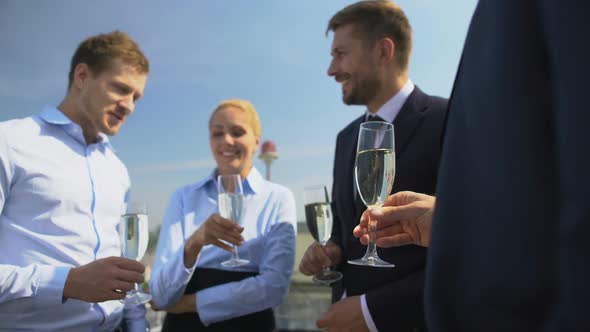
point(98, 52)
point(246, 107)
point(376, 19)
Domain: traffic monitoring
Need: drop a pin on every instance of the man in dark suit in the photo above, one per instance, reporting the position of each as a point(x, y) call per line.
point(370, 56)
point(509, 249)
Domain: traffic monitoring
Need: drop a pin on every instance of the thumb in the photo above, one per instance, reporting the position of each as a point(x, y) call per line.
point(392, 214)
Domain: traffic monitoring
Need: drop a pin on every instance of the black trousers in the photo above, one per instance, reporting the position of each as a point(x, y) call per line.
point(204, 278)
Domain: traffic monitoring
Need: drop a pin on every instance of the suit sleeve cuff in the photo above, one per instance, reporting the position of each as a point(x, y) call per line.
point(367, 315)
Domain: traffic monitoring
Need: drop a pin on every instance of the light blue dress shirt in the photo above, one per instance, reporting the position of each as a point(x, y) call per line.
point(269, 222)
point(60, 204)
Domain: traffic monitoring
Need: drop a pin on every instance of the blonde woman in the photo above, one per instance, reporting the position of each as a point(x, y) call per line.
point(188, 280)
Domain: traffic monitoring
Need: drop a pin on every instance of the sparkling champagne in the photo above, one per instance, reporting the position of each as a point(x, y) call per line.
point(231, 206)
point(134, 235)
point(319, 221)
point(374, 170)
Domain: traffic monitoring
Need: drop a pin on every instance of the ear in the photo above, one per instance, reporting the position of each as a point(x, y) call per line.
point(386, 48)
point(81, 74)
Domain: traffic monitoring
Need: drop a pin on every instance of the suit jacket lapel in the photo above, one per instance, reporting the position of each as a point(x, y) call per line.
point(408, 118)
point(352, 143)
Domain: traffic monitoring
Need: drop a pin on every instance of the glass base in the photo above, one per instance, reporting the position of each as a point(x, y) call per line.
point(233, 262)
point(373, 261)
point(327, 278)
point(136, 298)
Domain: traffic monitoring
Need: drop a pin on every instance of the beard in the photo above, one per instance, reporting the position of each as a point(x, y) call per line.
point(362, 92)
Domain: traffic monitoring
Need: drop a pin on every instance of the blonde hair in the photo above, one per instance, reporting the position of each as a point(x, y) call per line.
point(247, 108)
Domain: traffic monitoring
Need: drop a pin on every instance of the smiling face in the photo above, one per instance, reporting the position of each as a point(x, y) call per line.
point(233, 140)
point(106, 99)
point(354, 65)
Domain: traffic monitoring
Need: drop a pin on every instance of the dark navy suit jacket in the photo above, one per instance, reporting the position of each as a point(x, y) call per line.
point(510, 245)
point(394, 296)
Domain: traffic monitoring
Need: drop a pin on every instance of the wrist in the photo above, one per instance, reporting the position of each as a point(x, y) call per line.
point(191, 251)
point(70, 285)
point(191, 303)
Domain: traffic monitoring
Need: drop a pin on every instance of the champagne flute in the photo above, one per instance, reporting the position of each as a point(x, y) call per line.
point(230, 201)
point(134, 235)
point(318, 216)
point(374, 172)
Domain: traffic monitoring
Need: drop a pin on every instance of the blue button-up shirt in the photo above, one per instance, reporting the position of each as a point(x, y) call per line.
point(60, 204)
point(269, 222)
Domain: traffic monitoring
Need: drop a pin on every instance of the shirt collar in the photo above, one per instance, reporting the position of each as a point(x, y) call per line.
point(53, 115)
point(391, 108)
point(253, 183)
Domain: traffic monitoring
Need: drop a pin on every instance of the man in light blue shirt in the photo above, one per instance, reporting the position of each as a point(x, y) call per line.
point(62, 191)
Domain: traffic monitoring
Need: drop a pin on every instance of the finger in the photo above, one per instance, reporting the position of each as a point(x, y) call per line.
point(128, 276)
point(323, 321)
point(322, 258)
point(227, 224)
point(392, 214)
point(365, 239)
point(394, 241)
point(401, 198)
point(309, 269)
point(115, 295)
point(309, 264)
point(359, 231)
point(304, 266)
point(384, 231)
point(231, 236)
point(122, 285)
point(222, 245)
point(128, 264)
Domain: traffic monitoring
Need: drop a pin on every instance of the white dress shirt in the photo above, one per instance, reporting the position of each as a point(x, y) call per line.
point(60, 204)
point(387, 112)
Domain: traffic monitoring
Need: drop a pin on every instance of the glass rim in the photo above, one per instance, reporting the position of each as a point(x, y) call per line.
point(315, 186)
point(229, 176)
point(367, 125)
point(139, 207)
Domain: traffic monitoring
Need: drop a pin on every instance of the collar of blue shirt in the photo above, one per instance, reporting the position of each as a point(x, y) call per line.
point(254, 183)
point(54, 116)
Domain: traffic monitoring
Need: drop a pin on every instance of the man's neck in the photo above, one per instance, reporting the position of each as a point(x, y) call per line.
point(389, 89)
point(69, 108)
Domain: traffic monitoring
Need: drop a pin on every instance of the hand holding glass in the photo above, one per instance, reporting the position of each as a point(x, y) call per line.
point(231, 206)
point(318, 216)
point(374, 172)
point(134, 236)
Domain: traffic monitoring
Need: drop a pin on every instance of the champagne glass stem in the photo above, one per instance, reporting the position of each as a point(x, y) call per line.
point(372, 248)
point(235, 253)
point(325, 270)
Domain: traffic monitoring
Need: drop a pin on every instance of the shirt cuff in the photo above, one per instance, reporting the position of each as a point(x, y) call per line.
point(368, 319)
point(134, 317)
point(51, 284)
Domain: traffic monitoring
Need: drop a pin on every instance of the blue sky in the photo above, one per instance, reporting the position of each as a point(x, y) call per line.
point(274, 53)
